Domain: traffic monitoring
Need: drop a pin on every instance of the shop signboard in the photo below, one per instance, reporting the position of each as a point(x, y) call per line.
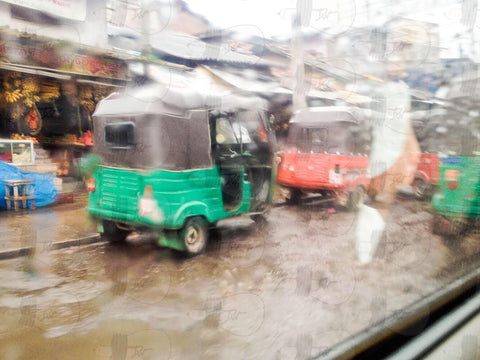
point(59, 56)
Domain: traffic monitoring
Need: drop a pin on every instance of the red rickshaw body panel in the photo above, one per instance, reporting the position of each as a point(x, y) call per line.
point(323, 171)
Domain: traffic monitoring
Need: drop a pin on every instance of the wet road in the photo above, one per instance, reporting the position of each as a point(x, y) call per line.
point(287, 289)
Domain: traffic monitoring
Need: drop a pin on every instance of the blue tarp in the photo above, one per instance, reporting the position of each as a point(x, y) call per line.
point(45, 192)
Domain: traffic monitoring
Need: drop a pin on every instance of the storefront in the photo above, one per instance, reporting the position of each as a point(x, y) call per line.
point(48, 92)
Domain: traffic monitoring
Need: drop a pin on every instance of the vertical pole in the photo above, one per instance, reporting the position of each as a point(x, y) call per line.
point(8, 197)
point(15, 197)
point(146, 48)
point(298, 67)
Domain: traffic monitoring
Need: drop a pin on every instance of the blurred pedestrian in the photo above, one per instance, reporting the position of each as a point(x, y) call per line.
point(393, 160)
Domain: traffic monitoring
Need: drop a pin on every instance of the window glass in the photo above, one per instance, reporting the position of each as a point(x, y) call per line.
point(120, 135)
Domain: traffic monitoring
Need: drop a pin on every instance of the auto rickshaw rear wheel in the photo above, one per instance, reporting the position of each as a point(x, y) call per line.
point(295, 196)
point(259, 219)
point(194, 235)
point(113, 233)
point(420, 189)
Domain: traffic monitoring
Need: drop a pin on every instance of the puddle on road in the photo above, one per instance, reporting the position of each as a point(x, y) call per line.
point(46, 227)
point(277, 291)
point(119, 339)
point(109, 302)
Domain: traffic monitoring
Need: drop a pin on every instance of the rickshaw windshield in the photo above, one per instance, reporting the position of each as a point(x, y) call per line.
point(325, 138)
point(243, 127)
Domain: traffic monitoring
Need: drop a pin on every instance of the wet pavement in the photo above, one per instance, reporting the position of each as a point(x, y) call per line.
point(46, 228)
point(287, 289)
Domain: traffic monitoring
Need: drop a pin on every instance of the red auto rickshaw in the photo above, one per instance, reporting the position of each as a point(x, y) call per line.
point(426, 176)
point(326, 153)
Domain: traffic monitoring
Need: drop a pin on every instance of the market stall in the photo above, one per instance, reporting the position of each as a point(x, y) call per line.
point(48, 92)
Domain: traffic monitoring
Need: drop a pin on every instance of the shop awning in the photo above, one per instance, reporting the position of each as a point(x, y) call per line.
point(63, 75)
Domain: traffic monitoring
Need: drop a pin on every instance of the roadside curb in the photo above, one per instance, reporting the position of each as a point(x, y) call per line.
point(29, 250)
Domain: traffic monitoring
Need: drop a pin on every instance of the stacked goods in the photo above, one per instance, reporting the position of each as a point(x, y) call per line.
point(63, 163)
point(22, 158)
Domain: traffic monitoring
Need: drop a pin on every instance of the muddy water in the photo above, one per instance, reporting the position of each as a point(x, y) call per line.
point(286, 290)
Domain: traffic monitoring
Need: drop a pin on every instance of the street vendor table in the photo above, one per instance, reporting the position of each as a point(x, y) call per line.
point(17, 191)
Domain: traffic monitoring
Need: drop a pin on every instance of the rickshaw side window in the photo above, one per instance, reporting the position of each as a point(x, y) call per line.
point(120, 135)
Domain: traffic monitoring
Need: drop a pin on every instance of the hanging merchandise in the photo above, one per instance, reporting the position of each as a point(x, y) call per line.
point(49, 90)
point(21, 93)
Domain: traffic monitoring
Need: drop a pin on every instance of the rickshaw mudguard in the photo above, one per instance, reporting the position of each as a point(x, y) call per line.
point(171, 240)
point(423, 176)
point(189, 209)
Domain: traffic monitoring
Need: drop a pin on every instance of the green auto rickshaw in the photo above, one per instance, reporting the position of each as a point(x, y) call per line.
point(173, 165)
point(456, 204)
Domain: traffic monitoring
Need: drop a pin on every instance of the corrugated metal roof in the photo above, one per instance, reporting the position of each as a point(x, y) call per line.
point(191, 48)
point(249, 85)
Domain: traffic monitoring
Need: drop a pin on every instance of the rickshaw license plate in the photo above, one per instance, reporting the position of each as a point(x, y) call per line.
point(335, 178)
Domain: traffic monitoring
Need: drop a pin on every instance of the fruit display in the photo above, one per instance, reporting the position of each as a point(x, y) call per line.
point(87, 98)
point(66, 139)
point(21, 88)
point(86, 138)
point(30, 91)
point(49, 90)
point(21, 93)
point(13, 95)
point(23, 137)
point(32, 119)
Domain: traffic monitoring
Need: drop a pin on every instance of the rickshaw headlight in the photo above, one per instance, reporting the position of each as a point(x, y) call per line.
point(291, 168)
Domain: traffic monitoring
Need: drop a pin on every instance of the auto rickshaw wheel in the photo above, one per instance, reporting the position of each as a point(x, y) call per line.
point(420, 189)
point(356, 199)
point(194, 235)
point(112, 233)
point(259, 219)
point(295, 196)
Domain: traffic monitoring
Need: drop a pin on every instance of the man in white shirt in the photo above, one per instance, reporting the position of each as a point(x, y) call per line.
point(393, 160)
